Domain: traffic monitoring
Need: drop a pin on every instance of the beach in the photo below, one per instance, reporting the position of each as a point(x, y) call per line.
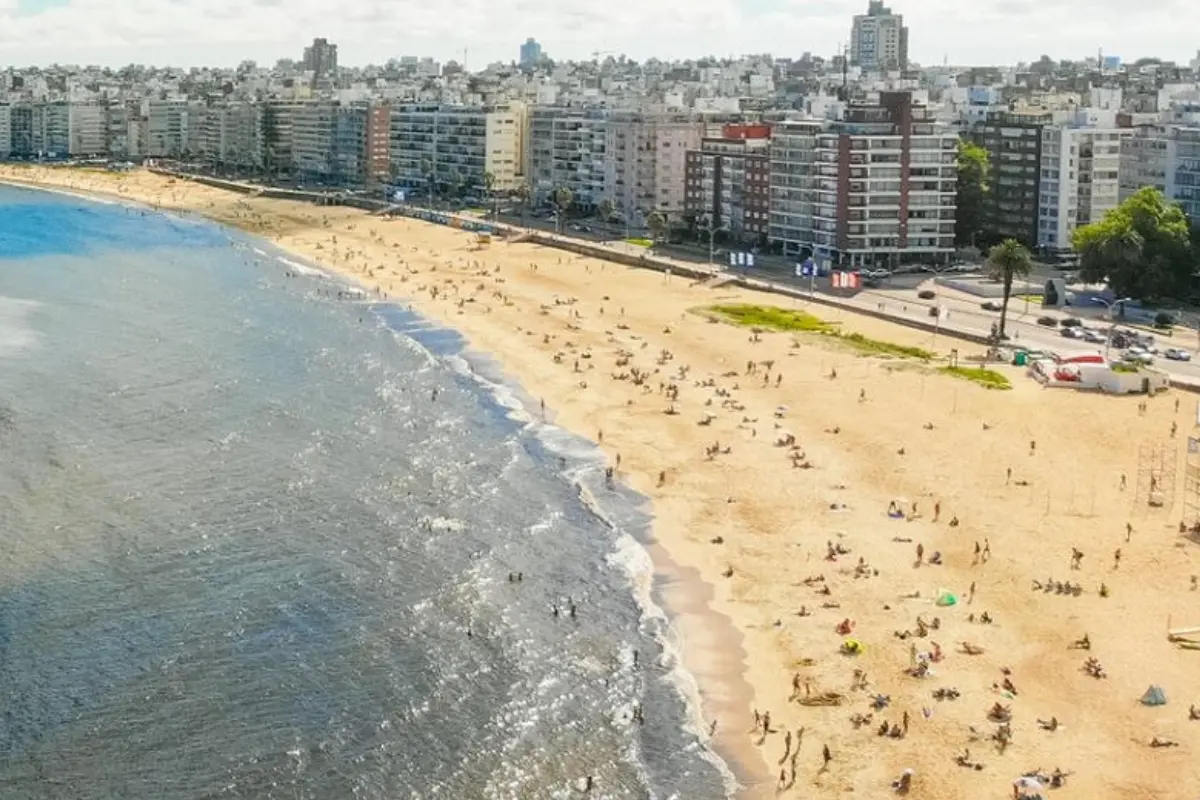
point(770, 558)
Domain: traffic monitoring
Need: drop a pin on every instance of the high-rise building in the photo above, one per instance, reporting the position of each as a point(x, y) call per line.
point(531, 53)
point(1080, 181)
point(1013, 140)
point(646, 159)
point(879, 40)
point(456, 146)
point(565, 149)
point(728, 180)
point(876, 188)
point(5, 130)
point(1166, 157)
point(320, 59)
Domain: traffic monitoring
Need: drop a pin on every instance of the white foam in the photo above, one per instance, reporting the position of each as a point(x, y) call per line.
point(627, 555)
point(303, 269)
point(78, 195)
point(16, 334)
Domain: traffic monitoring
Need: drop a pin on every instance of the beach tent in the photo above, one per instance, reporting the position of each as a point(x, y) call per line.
point(1154, 697)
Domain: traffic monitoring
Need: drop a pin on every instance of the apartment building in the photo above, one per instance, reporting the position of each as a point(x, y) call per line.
point(727, 182)
point(340, 145)
point(1079, 182)
point(456, 146)
point(173, 128)
point(88, 130)
point(125, 130)
point(5, 130)
point(794, 182)
point(565, 148)
point(1013, 140)
point(879, 39)
point(646, 161)
point(1166, 157)
point(278, 132)
point(26, 130)
point(880, 186)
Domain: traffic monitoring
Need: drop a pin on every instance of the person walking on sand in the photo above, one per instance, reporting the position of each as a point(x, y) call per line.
point(1076, 558)
point(937, 510)
point(1128, 531)
point(1117, 558)
point(1008, 476)
point(971, 593)
point(826, 757)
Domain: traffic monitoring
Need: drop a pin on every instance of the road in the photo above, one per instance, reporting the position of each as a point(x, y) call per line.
point(898, 298)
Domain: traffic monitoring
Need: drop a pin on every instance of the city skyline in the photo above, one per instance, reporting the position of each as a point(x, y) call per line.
point(222, 33)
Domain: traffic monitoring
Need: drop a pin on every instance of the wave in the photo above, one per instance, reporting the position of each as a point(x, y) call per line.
point(583, 464)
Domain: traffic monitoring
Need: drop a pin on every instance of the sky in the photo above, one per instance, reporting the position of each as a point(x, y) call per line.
point(226, 32)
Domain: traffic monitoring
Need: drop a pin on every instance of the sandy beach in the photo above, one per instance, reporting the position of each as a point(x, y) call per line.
point(1002, 485)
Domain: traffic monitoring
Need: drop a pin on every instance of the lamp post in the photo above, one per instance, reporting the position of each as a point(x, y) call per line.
point(1109, 306)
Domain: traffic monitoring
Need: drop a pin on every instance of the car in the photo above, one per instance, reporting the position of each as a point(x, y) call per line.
point(1070, 333)
point(1178, 354)
point(1072, 322)
point(1095, 337)
point(926, 294)
point(1145, 358)
point(963, 268)
point(1049, 322)
point(990, 305)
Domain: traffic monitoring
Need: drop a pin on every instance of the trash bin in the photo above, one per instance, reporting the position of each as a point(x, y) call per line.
point(1019, 358)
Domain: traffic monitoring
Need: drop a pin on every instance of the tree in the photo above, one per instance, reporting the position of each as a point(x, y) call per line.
point(1008, 260)
point(489, 184)
point(1142, 248)
point(606, 210)
point(524, 193)
point(973, 177)
point(562, 201)
point(657, 223)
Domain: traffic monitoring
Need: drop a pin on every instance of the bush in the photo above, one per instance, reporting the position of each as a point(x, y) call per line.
point(1049, 322)
point(926, 294)
point(1072, 322)
point(1164, 319)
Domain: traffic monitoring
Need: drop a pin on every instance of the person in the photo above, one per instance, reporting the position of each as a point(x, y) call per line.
point(826, 756)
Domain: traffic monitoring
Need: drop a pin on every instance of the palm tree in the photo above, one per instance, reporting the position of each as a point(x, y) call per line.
point(489, 184)
point(562, 201)
point(1008, 260)
point(657, 223)
point(524, 193)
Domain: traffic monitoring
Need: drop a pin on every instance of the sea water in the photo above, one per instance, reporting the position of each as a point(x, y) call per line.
point(256, 541)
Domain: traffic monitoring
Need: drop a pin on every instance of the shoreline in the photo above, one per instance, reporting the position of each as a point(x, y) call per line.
point(756, 531)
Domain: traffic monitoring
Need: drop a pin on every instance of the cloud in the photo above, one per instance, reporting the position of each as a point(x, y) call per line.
point(226, 31)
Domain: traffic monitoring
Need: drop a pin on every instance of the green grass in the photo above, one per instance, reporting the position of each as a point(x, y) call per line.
point(782, 319)
point(640, 242)
point(772, 318)
point(987, 378)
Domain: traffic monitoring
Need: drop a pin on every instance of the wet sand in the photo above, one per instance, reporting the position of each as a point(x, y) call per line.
point(568, 329)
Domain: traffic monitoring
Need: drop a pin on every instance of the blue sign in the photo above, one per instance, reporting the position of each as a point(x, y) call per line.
point(806, 269)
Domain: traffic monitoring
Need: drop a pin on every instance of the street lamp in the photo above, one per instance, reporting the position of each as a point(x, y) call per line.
point(1109, 306)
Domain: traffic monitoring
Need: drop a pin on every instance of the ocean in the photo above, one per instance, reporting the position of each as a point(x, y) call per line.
point(260, 539)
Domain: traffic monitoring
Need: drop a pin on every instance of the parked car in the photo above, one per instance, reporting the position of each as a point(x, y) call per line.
point(1095, 337)
point(1144, 358)
point(1070, 333)
point(1178, 354)
point(1072, 322)
point(990, 305)
point(926, 294)
point(1049, 322)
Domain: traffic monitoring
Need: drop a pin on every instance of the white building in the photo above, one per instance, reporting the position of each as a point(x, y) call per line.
point(646, 161)
point(879, 40)
point(1080, 180)
point(1166, 157)
point(565, 149)
point(456, 146)
point(88, 125)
